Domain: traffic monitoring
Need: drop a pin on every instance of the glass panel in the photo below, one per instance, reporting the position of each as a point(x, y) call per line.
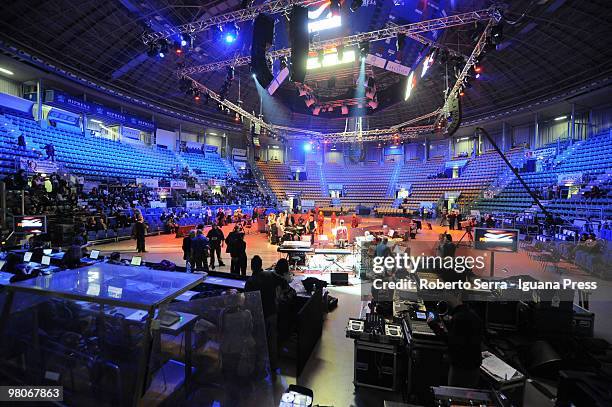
point(140, 287)
point(93, 352)
point(228, 352)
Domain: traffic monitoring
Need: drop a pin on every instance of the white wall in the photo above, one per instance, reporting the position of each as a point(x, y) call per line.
point(166, 138)
point(10, 87)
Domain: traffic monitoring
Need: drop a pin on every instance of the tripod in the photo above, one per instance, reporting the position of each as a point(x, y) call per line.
point(470, 238)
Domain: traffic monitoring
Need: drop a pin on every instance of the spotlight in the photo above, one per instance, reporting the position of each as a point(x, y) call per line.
point(230, 32)
point(307, 146)
point(497, 34)
point(196, 95)
point(152, 51)
point(177, 48)
point(254, 75)
point(283, 63)
point(462, 93)
point(355, 4)
point(334, 7)
point(184, 40)
point(400, 42)
point(163, 48)
point(364, 49)
point(477, 76)
point(477, 68)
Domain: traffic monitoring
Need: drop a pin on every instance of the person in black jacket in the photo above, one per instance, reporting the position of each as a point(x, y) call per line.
point(187, 249)
point(267, 283)
point(216, 238)
point(462, 329)
point(199, 251)
point(238, 253)
point(140, 230)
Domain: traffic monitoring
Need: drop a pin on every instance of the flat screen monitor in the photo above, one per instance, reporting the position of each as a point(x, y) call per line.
point(45, 261)
point(136, 261)
point(94, 254)
point(497, 240)
point(2, 263)
point(27, 256)
point(30, 224)
point(47, 252)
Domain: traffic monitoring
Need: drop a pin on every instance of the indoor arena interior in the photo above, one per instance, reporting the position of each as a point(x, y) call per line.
point(306, 203)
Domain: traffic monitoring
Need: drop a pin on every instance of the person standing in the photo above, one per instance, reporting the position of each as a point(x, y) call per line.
point(216, 238)
point(140, 230)
point(354, 221)
point(238, 253)
point(199, 251)
point(333, 220)
point(320, 223)
point(341, 235)
point(267, 283)
point(187, 250)
point(462, 329)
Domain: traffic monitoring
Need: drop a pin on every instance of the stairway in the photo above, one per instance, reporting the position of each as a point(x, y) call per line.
point(393, 180)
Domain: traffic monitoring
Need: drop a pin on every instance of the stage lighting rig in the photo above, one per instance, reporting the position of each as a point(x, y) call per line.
point(283, 63)
point(230, 32)
point(230, 74)
point(178, 50)
point(497, 32)
point(355, 4)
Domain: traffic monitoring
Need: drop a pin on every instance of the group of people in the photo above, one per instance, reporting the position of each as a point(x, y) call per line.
point(311, 223)
point(198, 247)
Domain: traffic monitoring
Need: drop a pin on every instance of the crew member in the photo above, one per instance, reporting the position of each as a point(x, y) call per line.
point(462, 329)
point(333, 220)
point(187, 249)
point(140, 230)
point(216, 238)
point(238, 253)
point(199, 251)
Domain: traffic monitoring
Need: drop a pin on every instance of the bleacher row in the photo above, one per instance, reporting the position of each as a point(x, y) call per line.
point(97, 158)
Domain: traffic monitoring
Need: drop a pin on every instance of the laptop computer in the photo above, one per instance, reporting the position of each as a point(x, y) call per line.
point(136, 261)
point(2, 263)
point(47, 252)
point(27, 256)
point(94, 254)
point(45, 261)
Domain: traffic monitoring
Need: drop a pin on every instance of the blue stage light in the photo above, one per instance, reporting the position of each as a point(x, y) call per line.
point(307, 147)
point(229, 38)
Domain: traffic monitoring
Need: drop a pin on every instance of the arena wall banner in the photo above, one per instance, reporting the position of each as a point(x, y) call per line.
point(193, 204)
point(569, 178)
point(148, 182)
point(178, 184)
point(38, 166)
point(308, 203)
point(157, 204)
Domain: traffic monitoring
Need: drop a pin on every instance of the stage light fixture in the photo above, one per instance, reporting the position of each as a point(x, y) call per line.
point(307, 147)
point(462, 93)
point(152, 51)
point(176, 46)
point(230, 73)
point(196, 95)
point(163, 48)
point(497, 34)
point(230, 32)
point(355, 4)
point(184, 40)
point(400, 42)
point(334, 7)
point(364, 49)
point(283, 63)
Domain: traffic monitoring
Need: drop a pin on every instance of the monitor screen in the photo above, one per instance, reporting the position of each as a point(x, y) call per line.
point(136, 261)
point(421, 315)
point(47, 252)
point(27, 256)
point(2, 263)
point(94, 254)
point(30, 224)
point(46, 260)
point(497, 240)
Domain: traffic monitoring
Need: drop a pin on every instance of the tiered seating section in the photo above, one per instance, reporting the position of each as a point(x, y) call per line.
point(278, 176)
point(365, 184)
point(97, 158)
point(591, 157)
point(476, 176)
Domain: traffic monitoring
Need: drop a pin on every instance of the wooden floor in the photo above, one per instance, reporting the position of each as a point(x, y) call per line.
point(329, 371)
